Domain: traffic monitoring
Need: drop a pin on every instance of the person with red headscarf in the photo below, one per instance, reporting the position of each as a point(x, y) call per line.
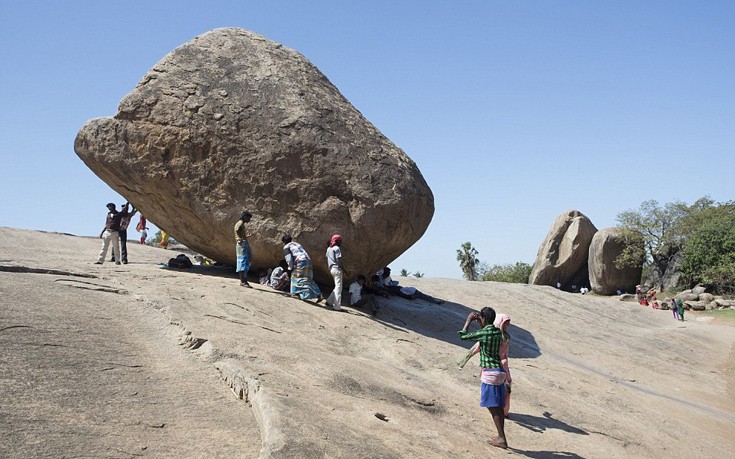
point(334, 261)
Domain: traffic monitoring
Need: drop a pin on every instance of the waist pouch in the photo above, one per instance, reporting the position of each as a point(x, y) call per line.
point(493, 376)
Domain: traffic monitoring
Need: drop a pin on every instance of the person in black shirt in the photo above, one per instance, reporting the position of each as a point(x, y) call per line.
point(110, 233)
point(125, 216)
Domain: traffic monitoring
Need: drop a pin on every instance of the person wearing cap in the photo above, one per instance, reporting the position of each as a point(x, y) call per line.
point(334, 262)
point(110, 234)
point(242, 249)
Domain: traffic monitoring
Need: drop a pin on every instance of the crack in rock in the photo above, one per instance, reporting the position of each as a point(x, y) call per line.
point(29, 270)
point(14, 326)
point(91, 286)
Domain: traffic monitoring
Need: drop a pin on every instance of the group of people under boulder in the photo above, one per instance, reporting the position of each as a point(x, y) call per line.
point(295, 274)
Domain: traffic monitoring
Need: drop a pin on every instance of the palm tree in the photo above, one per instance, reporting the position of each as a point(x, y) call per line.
point(404, 272)
point(467, 258)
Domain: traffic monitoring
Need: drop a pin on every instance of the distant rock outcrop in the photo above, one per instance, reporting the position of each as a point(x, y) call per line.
point(605, 279)
point(699, 299)
point(232, 121)
point(562, 256)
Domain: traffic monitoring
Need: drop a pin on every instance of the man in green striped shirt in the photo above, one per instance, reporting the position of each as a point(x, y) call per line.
point(492, 389)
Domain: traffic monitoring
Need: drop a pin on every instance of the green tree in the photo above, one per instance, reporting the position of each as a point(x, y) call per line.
point(708, 254)
point(517, 273)
point(468, 262)
point(418, 274)
point(701, 237)
point(654, 235)
point(404, 273)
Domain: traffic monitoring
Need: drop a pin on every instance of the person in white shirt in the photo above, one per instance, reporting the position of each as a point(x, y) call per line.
point(359, 299)
point(280, 280)
point(334, 262)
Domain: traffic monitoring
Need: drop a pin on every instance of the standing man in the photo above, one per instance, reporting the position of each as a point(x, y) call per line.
point(492, 388)
point(242, 249)
point(110, 233)
point(334, 262)
point(125, 217)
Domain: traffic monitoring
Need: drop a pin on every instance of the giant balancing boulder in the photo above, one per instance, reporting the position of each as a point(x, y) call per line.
point(232, 121)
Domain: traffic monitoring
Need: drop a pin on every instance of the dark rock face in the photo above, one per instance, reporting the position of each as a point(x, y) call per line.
point(605, 279)
point(231, 121)
point(562, 256)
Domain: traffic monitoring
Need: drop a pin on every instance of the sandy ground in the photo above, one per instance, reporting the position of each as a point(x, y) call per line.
point(136, 361)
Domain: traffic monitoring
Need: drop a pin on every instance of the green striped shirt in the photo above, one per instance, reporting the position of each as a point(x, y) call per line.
point(490, 338)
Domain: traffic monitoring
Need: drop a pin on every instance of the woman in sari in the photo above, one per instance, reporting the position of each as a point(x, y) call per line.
point(302, 271)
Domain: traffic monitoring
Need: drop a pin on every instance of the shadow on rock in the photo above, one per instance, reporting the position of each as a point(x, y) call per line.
point(522, 344)
point(547, 454)
point(542, 423)
point(438, 321)
point(442, 322)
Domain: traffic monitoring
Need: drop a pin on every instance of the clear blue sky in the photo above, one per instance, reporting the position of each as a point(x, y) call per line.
point(514, 111)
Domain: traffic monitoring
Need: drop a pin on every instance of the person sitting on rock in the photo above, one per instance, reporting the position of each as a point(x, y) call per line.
point(280, 279)
point(387, 283)
point(412, 293)
point(359, 297)
point(375, 287)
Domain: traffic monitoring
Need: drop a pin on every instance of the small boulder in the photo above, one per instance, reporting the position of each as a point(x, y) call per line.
point(696, 305)
point(706, 297)
point(699, 289)
point(605, 278)
point(723, 303)
point(687, 296)
point(562, 256)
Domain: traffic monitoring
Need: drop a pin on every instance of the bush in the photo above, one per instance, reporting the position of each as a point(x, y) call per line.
point(515, 274)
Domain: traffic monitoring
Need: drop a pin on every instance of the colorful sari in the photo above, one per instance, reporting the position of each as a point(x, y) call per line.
point(302, 280)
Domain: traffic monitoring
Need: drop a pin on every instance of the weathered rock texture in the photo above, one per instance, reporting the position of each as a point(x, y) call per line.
point(562, 256)
point(605, 279)
point(231, 121)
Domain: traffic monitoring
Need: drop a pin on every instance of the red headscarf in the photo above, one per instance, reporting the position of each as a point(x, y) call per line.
point(334, 240)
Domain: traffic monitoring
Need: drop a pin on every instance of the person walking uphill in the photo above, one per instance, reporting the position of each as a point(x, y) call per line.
point(302, 270)
point(242, 249)
point(334, 261)
point(492, 388)
point(110, 233)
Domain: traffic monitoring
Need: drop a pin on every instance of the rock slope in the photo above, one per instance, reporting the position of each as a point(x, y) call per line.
point(593, 376)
